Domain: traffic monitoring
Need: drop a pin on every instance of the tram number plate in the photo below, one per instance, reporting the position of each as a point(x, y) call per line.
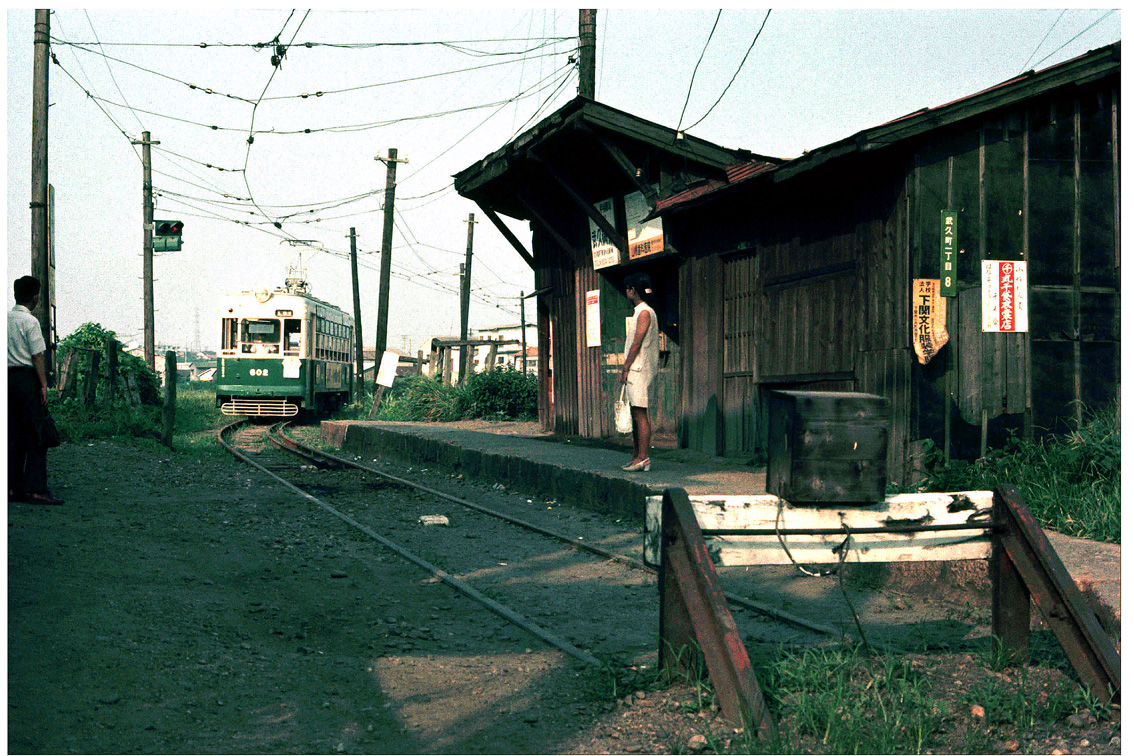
point(291, 367)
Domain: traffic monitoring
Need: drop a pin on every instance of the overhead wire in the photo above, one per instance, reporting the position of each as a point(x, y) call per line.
point(111, 72)
point(277, 61)
point(344, 45)
point(694, 76)
point(302, 95)
point(532, 90)
point(1049, 31)
point(738, 68)
point(1092, 26)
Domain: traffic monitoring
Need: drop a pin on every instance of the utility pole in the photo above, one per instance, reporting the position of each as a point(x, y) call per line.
point(147, 250)
point(466, 281)
point(39, 200)
point(391, 162)
point(358, 388)
point(523, 336)
point(587, 53)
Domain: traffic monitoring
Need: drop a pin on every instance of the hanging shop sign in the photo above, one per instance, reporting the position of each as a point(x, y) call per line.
point(594, 332)
point(1004, 296)
point(645, 237)
point(948, 253)
point(604, 253)
point(929, 333)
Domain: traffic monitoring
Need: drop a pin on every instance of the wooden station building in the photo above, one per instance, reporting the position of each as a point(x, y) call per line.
point(962, 261)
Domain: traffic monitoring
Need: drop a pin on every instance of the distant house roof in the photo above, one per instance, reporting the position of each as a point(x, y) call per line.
point(1076, 72)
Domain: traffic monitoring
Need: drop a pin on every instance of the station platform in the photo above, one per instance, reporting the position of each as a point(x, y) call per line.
point(587, 474)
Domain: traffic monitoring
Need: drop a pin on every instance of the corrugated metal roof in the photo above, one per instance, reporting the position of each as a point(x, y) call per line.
point(1079, 70)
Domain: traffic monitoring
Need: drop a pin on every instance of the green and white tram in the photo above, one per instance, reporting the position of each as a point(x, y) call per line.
point(283, 352)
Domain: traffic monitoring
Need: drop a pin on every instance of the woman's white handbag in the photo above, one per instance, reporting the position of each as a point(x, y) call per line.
point(622, 421)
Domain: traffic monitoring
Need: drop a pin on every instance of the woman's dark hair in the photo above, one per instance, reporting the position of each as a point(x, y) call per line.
point(643, 284)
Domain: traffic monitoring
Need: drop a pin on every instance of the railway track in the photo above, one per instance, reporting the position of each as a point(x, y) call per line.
point(494, 557)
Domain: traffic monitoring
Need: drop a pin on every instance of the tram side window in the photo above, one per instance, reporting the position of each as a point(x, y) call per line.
point(260, 336)
point(292, 330)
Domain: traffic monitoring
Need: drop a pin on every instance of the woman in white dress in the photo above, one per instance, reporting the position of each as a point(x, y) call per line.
point(640, 365)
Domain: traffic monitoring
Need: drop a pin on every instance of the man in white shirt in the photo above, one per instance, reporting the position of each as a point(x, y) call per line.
point(27, 398)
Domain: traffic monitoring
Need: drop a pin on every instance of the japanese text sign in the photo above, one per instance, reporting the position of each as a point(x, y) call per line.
point(594, 334)
point(948, 253)
point(604, 253)
point(1004, 296)
point(929, 333)
point(644, 237)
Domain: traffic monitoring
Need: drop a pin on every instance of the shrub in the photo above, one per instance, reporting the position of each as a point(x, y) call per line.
point(94, 336)
point(502, 393)
point(498, 394)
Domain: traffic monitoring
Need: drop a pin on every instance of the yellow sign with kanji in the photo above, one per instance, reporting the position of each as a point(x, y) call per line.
point(929, 333)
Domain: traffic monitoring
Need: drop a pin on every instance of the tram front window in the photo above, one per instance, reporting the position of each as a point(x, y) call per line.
point(260, 336)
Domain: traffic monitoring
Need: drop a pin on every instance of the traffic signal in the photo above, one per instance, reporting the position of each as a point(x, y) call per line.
point(167, 235)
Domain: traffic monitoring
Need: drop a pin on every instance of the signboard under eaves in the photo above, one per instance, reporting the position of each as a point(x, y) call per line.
point(603, 252)
point(645, 237)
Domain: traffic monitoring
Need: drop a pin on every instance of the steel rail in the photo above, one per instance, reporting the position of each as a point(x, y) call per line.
point(500, 609)
point(309, 452)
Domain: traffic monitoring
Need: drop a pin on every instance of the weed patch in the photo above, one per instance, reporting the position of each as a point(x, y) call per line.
point(1070, 482)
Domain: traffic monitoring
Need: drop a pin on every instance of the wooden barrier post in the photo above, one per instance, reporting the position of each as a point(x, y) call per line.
point(699, 617)
point(170, 415)
point(92, 378)
point(1091, 652)
point(111, 371)
point(1011, 603)
point(68, 374)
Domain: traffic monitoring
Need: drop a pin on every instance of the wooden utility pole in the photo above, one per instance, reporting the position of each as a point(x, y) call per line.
point(147, 252)
point(359, 390)
point(391, 161)
point(466, 288)
point(523, 337)
point(39, 200)
point(169, 415)
point(587, 53)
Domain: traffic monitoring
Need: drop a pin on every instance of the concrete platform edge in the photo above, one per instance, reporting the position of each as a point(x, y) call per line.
point(582, 488)
point(1094, 567)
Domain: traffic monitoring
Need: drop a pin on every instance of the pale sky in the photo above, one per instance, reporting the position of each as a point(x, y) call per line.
point(812, 77)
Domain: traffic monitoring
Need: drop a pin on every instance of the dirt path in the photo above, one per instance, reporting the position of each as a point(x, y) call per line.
point(189, 605)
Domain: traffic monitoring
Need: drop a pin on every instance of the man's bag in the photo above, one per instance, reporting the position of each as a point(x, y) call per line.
point(46, 434)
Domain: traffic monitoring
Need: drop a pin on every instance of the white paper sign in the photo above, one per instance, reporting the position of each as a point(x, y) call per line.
point(1004, 296)
point(388, 369)
point(603, 252)
point(594, 334)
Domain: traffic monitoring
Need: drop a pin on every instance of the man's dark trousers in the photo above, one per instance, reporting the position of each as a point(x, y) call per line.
point(27, 460)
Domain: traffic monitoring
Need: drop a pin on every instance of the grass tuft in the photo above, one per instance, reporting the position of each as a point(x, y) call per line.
point(1070, 482)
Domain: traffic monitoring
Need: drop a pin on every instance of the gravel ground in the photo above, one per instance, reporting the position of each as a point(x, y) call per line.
point(188, 604)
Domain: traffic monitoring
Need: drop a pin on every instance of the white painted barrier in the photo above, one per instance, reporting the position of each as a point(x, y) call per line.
point(767, 514)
